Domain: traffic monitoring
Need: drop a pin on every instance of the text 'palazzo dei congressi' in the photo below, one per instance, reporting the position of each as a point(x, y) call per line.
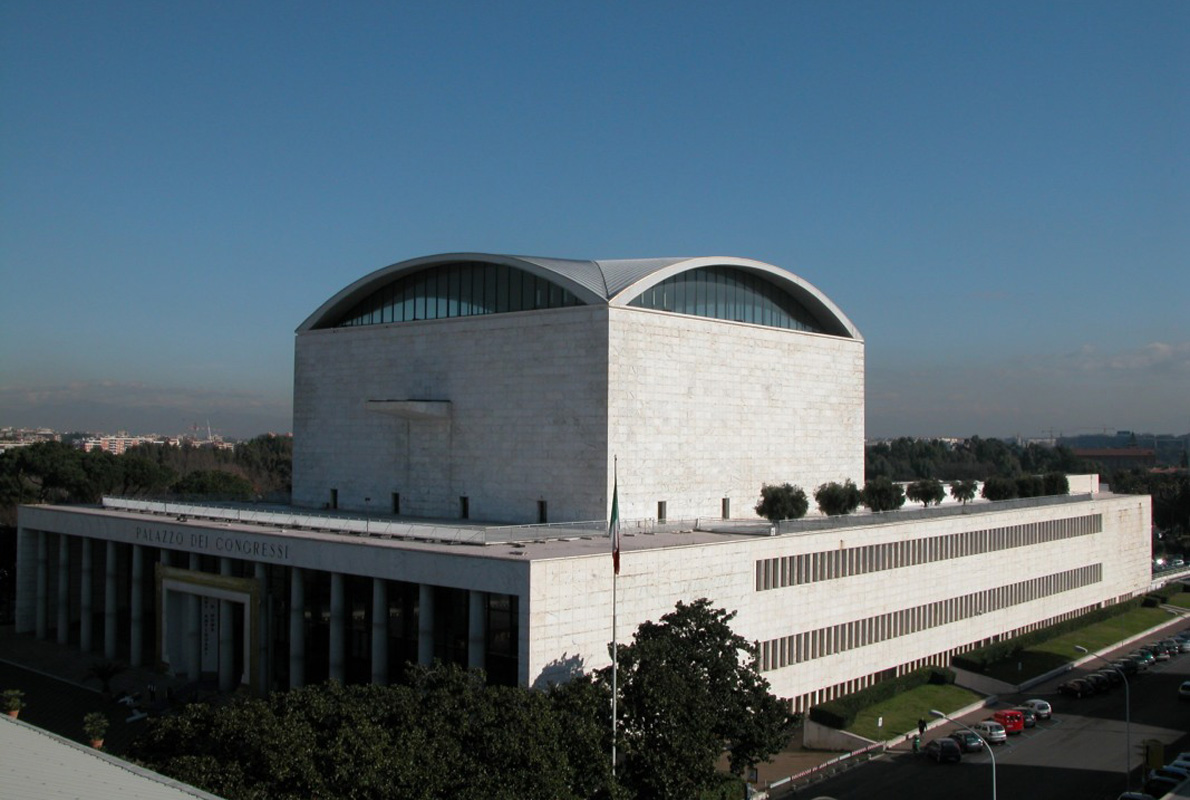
point(458, 424)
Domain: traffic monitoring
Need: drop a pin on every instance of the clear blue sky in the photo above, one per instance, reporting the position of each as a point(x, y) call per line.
point(997, 194)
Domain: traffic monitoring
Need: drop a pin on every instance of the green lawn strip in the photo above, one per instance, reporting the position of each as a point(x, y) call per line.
point(902, 712)
point(1042, 658)
point(1181, 600)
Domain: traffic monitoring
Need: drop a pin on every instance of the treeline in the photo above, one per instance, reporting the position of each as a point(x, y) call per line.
point(55, 472)
point(688, 690)
point(976, 459)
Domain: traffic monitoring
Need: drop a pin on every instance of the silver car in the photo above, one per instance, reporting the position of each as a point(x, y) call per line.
point(991, 731)
point(1040, 708)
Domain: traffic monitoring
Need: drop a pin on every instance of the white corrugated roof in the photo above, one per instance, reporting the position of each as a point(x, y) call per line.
point(35, 763)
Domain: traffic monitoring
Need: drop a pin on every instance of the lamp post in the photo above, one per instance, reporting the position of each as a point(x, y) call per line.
point(986, 745)
point(1127, 715)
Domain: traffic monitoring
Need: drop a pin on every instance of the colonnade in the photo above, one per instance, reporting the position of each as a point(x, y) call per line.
point(188, 579)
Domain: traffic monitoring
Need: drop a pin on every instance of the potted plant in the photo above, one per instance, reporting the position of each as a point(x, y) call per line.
point(95, 726)
point(14, 701)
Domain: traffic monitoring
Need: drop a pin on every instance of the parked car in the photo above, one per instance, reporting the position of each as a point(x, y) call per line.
point(1099, 681)
point(1076, 687)
point(967, 741)
point(1030, 717)
point(1113, 678)
point(1172, 646)
point(1159, 787)
point(1143, 657)
point(1012, 720)
point(1175, 773)
point(991, 731)
point(1184, 691)
point(1041, 708)
point(1158, 650)
point(1126, 665)
point(944, 749)
point(1184, 645)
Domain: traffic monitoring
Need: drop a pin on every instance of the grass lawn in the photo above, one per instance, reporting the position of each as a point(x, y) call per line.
point(1049, 655)
point(1181, 600)
point(902, 712)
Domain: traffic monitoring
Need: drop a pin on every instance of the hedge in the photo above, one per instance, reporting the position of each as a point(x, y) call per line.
point(980, 659)
point(840, 712)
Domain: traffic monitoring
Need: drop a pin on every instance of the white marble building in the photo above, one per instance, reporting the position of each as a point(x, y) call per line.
point(458, 420)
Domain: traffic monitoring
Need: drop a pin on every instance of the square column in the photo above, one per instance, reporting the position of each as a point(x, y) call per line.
point(297, 629)
point(379, 631)
point(63, 588)
point(425, 624)
point(86, 627)
point(337, 655)
point(109, 602)
point(136, 607)
point(43, 586)
point(477, 629)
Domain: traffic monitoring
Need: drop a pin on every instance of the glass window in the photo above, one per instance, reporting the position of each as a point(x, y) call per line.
point(457, 290)
point(728, 293)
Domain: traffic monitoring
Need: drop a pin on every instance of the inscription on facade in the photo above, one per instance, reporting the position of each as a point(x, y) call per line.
point(212, 543)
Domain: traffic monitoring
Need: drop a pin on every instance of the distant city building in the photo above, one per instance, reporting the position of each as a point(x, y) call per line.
point(1119, 457)
point(462, 424)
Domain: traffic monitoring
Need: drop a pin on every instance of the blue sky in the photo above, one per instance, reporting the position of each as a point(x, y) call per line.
point(997, 194)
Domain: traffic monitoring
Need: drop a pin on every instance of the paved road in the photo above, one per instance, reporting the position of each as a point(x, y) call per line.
point(1078, 754)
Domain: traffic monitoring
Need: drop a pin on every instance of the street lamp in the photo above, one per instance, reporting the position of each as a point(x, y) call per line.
point(986, 745)
point(1127, 715)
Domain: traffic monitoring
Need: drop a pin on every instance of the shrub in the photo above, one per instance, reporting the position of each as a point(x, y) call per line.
point(841, 712)
point(926, 491)
point(837, 498)
point(1030, 486)
point(881, 494)
point(997, 488)
point(1056, 483)
point(981, 659)
point(782, 502)
point(964, 491)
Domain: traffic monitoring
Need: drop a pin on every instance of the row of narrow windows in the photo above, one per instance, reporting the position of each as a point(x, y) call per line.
point(472, 288)
point(777, 573)
point(730, 294)
point(827, 641)
point(461, 289)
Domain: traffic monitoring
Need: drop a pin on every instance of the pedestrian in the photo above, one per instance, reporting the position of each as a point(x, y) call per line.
point(921, 726)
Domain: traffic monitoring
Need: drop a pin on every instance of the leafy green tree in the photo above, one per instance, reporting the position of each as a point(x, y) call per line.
point(1055, 483)
point(881, 494)
point(926, 491)
point(782, 502)
point(1030, 486)
point(214, 483)
point(998, 488)
point(689, 687)
point(964, 491)
point(835, 499)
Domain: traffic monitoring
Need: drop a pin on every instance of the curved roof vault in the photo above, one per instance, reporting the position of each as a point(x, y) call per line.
point(612, 282)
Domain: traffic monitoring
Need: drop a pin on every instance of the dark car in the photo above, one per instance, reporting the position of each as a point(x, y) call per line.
point(1113, 678)
point(967, 741)
point(1029, 715)
point(1126, 665)
point(1076, 688)
point(945, 749)
point(1097, 680)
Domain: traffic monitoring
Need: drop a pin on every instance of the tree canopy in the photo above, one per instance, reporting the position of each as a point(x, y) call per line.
point(926, 491)
point(881, 494)
point(835, 498)
point(689, 686)
point(784, 501)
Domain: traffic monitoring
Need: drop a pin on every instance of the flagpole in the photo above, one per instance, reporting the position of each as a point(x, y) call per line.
point(614, 533)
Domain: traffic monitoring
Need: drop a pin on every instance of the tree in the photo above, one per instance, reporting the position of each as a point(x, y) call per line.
point(1055, 483)
point(964, 491)
point(835, 499)
point(214, 483)
point(926, 491)
point(998, 488)
point(689, 687)
point(782, 502)
point(881, 494)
